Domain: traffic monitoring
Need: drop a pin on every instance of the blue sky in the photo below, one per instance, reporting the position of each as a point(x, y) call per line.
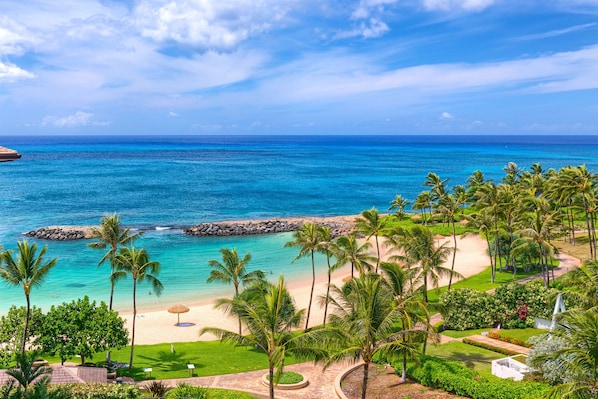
point(298, 67)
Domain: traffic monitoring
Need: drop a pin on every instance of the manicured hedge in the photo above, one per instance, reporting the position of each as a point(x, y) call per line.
point(504, 338)
point(456, 378)
point(95, 391)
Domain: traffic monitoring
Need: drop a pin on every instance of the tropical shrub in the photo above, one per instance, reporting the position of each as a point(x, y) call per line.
point(289, 377)
point(454, 377)
point(184, 390)
point(467, 309)
point(550, 369)
point(94, 391)
point(511, 340)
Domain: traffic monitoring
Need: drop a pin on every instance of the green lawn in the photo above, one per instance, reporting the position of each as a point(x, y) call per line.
point(523, 334)
point(464, 333)
point(475, 358)
point(209, 358)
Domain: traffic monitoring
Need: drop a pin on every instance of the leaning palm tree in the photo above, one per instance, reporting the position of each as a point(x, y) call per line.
point(371, 225)
point(365, 315)
point(582, 285)
point(111, 235)
point(579, 357)
point(448, 207)
point(307, 238)
point(28, 270)
point(233, 270)
point(138, 265)
point(328, 247)
point(398, 205)
point(269, 313)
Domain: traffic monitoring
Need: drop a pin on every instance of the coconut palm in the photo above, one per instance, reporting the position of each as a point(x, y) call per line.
point(412, 311)
point(28, 270)
point(233, 270)
point(111, 235)
point(371, 225)
point(269, 313)
point(482, 221)
point(328, 247)
point(582, 285)
point(438, 186)
point(422, 202)
point(489, 198)
point(26, 373)
point(350, 251)
point(473, 183)
point(579, 357)
point(365, 315)
point(420, 254)
point(137, 264)
point(307, 238)
point(398, 205)
point(448, 208)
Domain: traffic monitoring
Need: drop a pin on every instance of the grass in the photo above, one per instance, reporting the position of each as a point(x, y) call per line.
point(288, 377)
point(475, 358)
point(464, 333)
point(523, 334)
point(209, 358)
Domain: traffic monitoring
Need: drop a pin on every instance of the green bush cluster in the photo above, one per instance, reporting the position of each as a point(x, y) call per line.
point(512, 305)
point(94, 391)
point(489, 347)
point(184, 390)
point(454, 377)
point(504, 338)
point(288, 377)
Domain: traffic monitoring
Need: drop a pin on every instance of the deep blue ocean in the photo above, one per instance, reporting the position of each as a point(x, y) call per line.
point(175, 181)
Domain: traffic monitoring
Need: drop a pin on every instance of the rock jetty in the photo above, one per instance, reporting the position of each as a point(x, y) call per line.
point(61, 233)
point(254, 227)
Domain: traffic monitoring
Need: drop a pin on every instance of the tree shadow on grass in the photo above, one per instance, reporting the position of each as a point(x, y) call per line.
point(172, 361)
point(470, 360)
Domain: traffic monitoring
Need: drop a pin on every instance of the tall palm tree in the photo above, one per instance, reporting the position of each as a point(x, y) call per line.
point(111, 235)
point(412, 311)
point(578, 358)
point(307, 238)
point(474, 182)
point(365, 315)
point(422, 202)
point(371, 225)
point(482, 221)
point(438, 186)
point(137, 264)
point(582, 285)
point(28, 270)
point(270, 317)
point(350, 251)
point(448, 208)
point(328, 247)
point(420, 253)
point(489, 198)
point(233, 270)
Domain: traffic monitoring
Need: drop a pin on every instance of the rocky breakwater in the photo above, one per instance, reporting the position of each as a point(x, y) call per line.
point(254, 227)
point(61, 233)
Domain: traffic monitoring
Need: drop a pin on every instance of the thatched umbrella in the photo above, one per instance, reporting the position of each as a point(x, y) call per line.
point(178, 309)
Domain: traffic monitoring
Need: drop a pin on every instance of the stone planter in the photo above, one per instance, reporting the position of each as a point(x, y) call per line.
point(286, 387)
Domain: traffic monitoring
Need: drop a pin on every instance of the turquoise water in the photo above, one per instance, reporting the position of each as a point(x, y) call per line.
point(178, 181)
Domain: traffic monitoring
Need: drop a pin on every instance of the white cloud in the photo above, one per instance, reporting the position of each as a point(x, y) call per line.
point(374, 28)
point(173, 114)
point(447, 115)
point(203, 24)
point(10, 73)
point(450, 5)
point(78, 119)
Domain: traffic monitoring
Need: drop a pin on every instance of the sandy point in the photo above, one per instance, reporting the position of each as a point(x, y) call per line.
point(159, 326)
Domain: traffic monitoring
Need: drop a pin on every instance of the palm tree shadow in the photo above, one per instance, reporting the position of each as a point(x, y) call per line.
point(470, 359)
point(172, 361)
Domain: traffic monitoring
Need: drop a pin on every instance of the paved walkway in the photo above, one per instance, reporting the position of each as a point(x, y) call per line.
point(321, 383)
point(499, 344)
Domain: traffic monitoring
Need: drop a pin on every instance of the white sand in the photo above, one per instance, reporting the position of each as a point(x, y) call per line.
point(159, 326)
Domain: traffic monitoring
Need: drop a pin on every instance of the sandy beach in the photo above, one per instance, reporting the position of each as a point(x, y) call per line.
point(159, 326)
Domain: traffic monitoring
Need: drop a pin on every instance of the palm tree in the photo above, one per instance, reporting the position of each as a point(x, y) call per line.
point(448, 208)
point(398, 205)
point(422, 202)
point(579, 357)
point(350, 251)
point(138, 265)
point(422, 256)
point(328, 247)
point(269, 313)
point(233, 270)
point(307, 238)
point(438, 186)
point(482, 221)
point(28, 270)
point(474, 182)
point(26, 373)
point(582, 284)
point(412, 312)
point(111, 235)
point(489, 198)
point(365, 316)
point(371, 225)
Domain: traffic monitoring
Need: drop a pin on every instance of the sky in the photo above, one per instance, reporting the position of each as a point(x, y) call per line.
point(95, 67)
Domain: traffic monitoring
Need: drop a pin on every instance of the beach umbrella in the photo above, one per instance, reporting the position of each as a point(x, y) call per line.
point(178, 309)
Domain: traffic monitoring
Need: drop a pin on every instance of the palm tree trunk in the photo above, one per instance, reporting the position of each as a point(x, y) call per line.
point(364, 385)
point(271, 383)
point(313, 284)
point(111, 289)
point(327, 291)
point(378, 252)
point(454, 255)
point(404, 371)
point(27, 316)
point(134, 318)
point(585, 209)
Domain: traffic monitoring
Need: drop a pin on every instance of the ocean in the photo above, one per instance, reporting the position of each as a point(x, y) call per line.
point(159, 184)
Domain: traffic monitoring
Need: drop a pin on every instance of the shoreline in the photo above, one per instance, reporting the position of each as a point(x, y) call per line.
point(158, 326)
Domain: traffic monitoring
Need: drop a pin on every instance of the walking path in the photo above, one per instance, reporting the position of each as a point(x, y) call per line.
point(499, 344)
